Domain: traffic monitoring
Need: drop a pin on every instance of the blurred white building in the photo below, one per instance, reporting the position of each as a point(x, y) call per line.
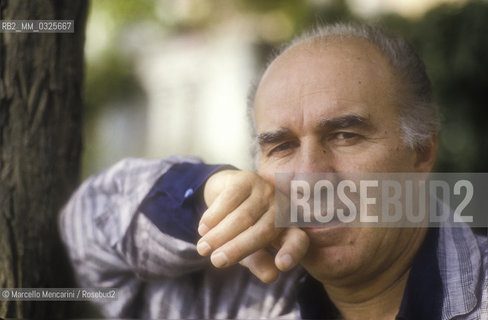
point(196, 85)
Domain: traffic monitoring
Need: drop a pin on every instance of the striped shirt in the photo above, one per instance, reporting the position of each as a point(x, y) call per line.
point(113, 242)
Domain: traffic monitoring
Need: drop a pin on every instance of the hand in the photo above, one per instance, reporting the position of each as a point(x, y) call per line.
point(239, 226)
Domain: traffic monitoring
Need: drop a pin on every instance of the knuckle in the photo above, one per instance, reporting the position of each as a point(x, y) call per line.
point(208, 217)
point(246, 178)
point(233, 251)
point(301, 236)
point(297, 240)
point(268, 191)
point(268, 276)
point(245, 263)
point(245, 218)
point(228, 195)
point(267, 231)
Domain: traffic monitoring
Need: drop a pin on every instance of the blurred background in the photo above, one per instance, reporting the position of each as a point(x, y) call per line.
point(172, 77)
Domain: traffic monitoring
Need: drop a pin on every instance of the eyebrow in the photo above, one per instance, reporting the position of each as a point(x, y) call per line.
point(342, 122)
point(273, 136)
point(346, 121)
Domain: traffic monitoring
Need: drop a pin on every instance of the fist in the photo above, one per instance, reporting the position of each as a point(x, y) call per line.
point(238, 226)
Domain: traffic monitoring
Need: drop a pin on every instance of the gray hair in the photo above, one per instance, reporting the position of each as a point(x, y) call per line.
point(419, 116)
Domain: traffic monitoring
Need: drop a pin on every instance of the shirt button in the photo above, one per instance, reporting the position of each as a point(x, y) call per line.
point(188, 192)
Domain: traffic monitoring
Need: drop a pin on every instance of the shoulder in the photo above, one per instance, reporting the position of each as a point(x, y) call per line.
point(482, 242)
point(463, 265)
point(460, 247)
point(142, 169)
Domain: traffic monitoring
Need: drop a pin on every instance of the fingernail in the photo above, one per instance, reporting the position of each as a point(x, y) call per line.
point(286, 261)
point(202, 229)
point(203, 248)
point(219, 259)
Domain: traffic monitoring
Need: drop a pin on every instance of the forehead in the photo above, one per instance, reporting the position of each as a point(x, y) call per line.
point(324, 79)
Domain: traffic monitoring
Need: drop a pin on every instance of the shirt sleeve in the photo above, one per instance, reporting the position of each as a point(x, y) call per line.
point(175, 203)
point(113, 244)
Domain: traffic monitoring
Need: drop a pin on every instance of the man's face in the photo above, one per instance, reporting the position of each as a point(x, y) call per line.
point(331, 108)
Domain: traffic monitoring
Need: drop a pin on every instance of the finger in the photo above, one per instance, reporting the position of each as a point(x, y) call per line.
point(258, 236)
point(227, 201)
point(261, 264)
point(294, 246)
point(233, 224)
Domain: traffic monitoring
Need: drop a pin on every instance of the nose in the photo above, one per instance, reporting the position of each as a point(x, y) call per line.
point(313, 157)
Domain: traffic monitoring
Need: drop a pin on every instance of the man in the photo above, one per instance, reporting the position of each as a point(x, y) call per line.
point(346, 98)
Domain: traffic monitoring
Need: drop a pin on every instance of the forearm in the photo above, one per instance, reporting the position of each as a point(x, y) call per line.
point(107, 234)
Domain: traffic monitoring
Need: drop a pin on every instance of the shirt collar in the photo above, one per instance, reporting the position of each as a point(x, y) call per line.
point(422, 298)
point(313, 301)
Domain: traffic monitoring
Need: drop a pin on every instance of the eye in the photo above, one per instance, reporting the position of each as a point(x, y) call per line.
point(345, 135)
point(343, 138)
point(283, 147)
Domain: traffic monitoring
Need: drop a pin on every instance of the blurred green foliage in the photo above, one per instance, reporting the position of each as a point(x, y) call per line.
point(453, 42)
point(294, 10)
point(108, 79)
point(124, 11)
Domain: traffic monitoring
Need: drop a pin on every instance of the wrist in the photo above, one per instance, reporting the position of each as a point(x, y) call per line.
point(215, 184)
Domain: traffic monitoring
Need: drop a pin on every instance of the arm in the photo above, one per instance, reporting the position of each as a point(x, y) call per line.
point(112, 232)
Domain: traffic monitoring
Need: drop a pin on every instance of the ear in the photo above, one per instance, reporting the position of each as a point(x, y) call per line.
point(426, 155)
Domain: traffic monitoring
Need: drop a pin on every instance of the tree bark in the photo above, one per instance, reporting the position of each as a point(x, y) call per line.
point(41, 79)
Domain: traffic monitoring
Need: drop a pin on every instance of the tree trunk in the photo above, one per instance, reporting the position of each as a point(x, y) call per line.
point(40, 146)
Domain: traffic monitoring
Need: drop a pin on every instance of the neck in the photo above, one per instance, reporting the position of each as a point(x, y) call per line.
point(380, 296)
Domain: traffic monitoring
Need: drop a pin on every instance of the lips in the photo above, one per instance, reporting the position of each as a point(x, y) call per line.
point(327, 234)
point(335, 222)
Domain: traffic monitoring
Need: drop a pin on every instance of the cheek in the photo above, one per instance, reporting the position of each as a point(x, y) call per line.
point(338, 260)
point(266, 171)
point(400, 159)
point(380, 159)
point(268, 168)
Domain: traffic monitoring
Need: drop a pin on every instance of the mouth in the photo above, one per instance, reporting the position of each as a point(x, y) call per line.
point(334, 223)
point(324, 227)
point(326, 234)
